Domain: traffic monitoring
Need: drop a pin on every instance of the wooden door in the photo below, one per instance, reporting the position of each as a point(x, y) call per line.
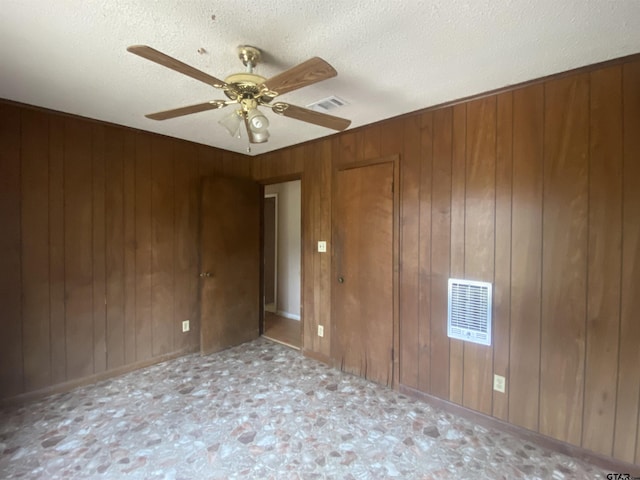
point(362, 300)
point(229, 263)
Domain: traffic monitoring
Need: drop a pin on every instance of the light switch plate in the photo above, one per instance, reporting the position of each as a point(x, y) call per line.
point(322, 246)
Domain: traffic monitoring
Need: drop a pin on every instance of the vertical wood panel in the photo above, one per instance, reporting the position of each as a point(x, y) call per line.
point(98, 216)
point(458, 169)
point(130, 277)
point(11, 364)
point(348, 152)
point(297, 158)
point(480, 239)
point(502, 253)
point(316, 221)
point(371, 142)
point(440, 249)
point(185, 168)
point(526, 253)
point(424, 248)
point(162, 268)
point(143, 326)
point(626, 443)
point(78, 248)
point(114, 247)
point(409, 251)
point(209, 161)
point(564, 262)
point(605, 222)
point(35, 249)
point(56, 249)
point(310, 277)
point(391, 139)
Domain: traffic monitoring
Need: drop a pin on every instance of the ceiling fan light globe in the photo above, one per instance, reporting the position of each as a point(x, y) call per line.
point(232, 123)
point(258, 122)
point(260, 137)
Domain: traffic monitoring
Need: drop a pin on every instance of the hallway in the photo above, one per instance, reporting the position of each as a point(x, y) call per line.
point(282, 330)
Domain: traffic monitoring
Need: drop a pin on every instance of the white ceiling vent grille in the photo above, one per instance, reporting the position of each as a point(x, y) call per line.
point(469, 316)
point(326, 104)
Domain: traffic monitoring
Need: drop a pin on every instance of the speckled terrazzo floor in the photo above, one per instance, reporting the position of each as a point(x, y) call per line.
point(260, 410)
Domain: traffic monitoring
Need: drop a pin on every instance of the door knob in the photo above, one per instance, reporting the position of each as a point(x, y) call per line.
point(205, 274)
point(340, 279)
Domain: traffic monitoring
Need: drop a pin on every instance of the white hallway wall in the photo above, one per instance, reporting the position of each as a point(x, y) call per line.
point(289, 224)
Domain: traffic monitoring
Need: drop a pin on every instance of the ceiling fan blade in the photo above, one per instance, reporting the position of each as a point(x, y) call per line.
point(166, 61)
point(307, 73)
point(311, 116)
point(178, 112)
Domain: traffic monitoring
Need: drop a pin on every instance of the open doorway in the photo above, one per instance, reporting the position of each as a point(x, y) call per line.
point(282, 254)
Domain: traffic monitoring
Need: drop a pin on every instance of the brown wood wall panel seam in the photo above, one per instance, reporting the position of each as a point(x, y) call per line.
point(458, 238)
point(129, 255)
point(162, 248)
point(11, 341)
point(526, 273)
point(143, 213)
point(604, 260)
point(56, 251)
point(78, 249)
point(564, 258)
point(409, 251)
point(114, 248)
point(35, 249)
point(627, 428)
point(502, 250)
point(479, 220)
point(424, 249)
point(98, 249)
point(440, 250)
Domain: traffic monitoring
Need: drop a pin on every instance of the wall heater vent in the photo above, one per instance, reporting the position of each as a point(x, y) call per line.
point(469, 317)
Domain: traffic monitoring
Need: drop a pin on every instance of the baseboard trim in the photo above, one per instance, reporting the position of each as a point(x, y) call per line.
point(317, 356)
point(601, 461)
point(280, 342)
point(292, 316)
point(98, 377)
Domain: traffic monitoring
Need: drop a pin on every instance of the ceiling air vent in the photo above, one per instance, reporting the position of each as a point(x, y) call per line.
point(469, 316)
point(326, 104)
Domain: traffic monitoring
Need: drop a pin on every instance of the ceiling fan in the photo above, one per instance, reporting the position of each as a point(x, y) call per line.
point(249, 91)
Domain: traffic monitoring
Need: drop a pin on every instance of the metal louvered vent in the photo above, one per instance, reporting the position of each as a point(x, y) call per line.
point(469, 315)
point(327, 104)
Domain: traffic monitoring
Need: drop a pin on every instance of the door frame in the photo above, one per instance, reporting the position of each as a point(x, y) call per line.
point(263, 182)
point(275, 255)
point(395, 160)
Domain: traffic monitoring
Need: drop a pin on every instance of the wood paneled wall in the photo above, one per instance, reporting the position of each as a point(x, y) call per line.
point(536, 190)
point(99, 254)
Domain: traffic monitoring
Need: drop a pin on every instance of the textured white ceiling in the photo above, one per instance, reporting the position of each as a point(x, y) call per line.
point(392, 57)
